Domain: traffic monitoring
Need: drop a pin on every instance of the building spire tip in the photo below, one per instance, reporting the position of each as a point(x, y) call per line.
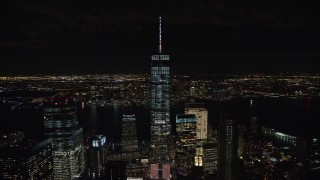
point(160, 40)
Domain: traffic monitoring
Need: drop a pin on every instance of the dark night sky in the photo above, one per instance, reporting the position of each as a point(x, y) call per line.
point(119, 37)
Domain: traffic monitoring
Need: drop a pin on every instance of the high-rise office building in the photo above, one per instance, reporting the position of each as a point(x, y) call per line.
point(160, 109)
point(210, 151)
point(201, 113)
point(242, 131)
point(129, 138)
point(96, 156)
point(60, 121)
point(26, 159)
point(227, 148)
point(186, 125)
point(197, 171)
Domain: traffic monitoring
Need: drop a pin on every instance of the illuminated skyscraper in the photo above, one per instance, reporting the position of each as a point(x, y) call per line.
point(160, 106)
point(202, 118)
point(60, 121)
point(96, 164)
point(129, 138)
point(26, 159)
point(186, 142)
point(210, 157)
point(227, 148)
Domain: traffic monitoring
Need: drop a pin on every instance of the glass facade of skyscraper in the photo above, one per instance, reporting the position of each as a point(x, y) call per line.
point(160, 109)
point(60, 121)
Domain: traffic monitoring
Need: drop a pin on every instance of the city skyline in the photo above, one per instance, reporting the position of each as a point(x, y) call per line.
point(110, 37)
point(286, 107)
point(166, 90)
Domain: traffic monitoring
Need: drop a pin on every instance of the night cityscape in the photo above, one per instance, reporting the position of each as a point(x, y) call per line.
point(215, 90)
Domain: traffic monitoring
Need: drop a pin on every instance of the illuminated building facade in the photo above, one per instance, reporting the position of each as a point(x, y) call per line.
point(129, 138)
point(96, 155)
point(186, 142)
point(227, 148)
point(198, 159)
point(197, 167)
point(210, 150)
point(202, 118)
point(27, 159)
point(60, 121)
point(160, 107)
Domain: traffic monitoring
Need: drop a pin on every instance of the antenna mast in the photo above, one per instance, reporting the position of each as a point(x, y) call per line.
point(160, 42)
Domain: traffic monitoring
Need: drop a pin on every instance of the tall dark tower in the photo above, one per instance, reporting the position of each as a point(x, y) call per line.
point(160, 106)
point(227, 148)
point(253, 120)
point(96, 158)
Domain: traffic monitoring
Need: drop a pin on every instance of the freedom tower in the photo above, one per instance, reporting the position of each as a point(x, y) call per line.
point(160, 113)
